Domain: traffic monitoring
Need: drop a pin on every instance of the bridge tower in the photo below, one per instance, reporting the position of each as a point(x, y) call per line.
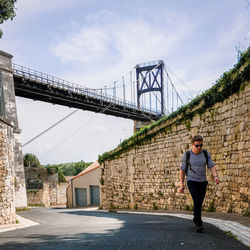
point(149, 78)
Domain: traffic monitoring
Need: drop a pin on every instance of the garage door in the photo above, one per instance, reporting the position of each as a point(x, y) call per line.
point(94, 195)
point(81, 197)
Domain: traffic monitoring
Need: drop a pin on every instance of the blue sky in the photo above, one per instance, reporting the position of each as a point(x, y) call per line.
point(94, 43)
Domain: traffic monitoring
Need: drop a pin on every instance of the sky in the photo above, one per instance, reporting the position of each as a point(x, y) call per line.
point(96, 42)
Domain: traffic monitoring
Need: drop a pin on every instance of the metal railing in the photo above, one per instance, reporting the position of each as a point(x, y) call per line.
point(44, 78)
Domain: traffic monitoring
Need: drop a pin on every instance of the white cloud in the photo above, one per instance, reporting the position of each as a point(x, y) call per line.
point(134, 39)
point(233, 35)
point(89, 44)
point(108, 46)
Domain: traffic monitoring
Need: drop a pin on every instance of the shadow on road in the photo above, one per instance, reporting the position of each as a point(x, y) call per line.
point(78, 229)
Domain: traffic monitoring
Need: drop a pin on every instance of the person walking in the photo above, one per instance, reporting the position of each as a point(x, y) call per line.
point(193, 166)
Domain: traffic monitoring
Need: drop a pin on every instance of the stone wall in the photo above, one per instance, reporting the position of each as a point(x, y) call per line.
point(9, 112)
point(51, 192)
point(58, 194)
point(48, 196)
point(147, 176)
point(7, 180)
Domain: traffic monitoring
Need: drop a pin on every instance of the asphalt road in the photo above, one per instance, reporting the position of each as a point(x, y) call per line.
point(77, 229)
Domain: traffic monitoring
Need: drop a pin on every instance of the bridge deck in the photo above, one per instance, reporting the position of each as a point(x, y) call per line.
point(42, 87)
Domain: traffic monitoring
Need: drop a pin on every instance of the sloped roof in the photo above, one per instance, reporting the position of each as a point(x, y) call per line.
point(90, 168)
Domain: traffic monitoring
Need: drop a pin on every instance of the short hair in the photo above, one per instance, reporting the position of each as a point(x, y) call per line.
point(197, 138)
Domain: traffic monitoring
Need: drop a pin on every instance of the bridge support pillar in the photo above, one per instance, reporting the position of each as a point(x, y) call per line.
point(8, 112)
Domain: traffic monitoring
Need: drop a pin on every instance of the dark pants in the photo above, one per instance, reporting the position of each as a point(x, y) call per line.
point(197, 191)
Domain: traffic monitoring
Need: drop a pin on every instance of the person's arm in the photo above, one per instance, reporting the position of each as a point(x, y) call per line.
point(182, 177)
point(215, 174)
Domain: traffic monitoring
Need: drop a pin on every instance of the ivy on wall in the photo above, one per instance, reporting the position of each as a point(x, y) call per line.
point(229, 83)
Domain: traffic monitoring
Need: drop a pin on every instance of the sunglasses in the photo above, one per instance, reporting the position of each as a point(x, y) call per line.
point(200, 145)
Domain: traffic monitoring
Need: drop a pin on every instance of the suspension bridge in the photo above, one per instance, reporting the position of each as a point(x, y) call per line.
point(146, 94)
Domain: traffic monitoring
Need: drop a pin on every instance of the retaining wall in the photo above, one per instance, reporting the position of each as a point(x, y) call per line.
point(146, 176)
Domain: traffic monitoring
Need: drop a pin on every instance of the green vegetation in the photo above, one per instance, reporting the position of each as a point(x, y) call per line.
point(189, 208)
point(32, 190)
point(230, 209)
point(112, 208)
point(36, 205)
point(31, 160)
point(102, 180)
point(62, 169)
point(247, 213)
point(231, 82)
point(231, 235)
point(55, 169)
point(72, 168)
point(155, 207)
point(160, 193)
point(211, 207)
point(7, 8)
point(22, 209)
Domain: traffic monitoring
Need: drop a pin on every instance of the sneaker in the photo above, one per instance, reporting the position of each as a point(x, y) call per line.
point(199, 225)
point(200, 229)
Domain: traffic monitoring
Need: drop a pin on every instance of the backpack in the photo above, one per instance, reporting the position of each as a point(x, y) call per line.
point(188, 158)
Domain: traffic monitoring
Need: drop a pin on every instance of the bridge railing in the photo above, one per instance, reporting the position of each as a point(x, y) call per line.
point(46, 79)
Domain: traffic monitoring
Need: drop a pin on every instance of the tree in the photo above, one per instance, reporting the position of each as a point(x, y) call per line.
point(7, 11)
point(72, 168)
point(31, 160)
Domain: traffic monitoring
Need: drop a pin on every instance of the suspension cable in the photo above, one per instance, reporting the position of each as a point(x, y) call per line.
point(75, 131)
point(46, 130)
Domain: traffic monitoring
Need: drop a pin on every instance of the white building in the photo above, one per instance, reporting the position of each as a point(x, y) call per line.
point(84, 189)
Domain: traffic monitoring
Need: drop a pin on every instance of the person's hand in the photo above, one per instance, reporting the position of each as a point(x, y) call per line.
point(181, 189)
point(216, 180)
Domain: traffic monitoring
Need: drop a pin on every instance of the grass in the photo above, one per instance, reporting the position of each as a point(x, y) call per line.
point(36, 205)
point(231, 235)
point(20, 209)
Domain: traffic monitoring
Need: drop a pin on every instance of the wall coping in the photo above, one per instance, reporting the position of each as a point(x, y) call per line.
point(5, 54)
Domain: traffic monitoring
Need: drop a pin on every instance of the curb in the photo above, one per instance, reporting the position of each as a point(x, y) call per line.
point(23, 223)
point(241, 232)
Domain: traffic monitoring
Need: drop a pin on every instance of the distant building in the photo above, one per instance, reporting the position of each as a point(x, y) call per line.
point(84, 189)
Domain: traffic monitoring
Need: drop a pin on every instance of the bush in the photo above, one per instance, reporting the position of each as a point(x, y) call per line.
point(31, 160)
point(211, 207)
point(246, 213)
point(102, 180)
point(155, 207)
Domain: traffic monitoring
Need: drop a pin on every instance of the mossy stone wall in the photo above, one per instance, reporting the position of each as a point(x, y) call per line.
point(146, 175)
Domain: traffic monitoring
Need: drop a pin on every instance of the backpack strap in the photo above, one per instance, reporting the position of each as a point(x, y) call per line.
point(187, 160)
point(206, 155)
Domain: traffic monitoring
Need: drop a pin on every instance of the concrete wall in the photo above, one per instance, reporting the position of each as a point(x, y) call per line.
point(147, 176)
point(10, 113)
